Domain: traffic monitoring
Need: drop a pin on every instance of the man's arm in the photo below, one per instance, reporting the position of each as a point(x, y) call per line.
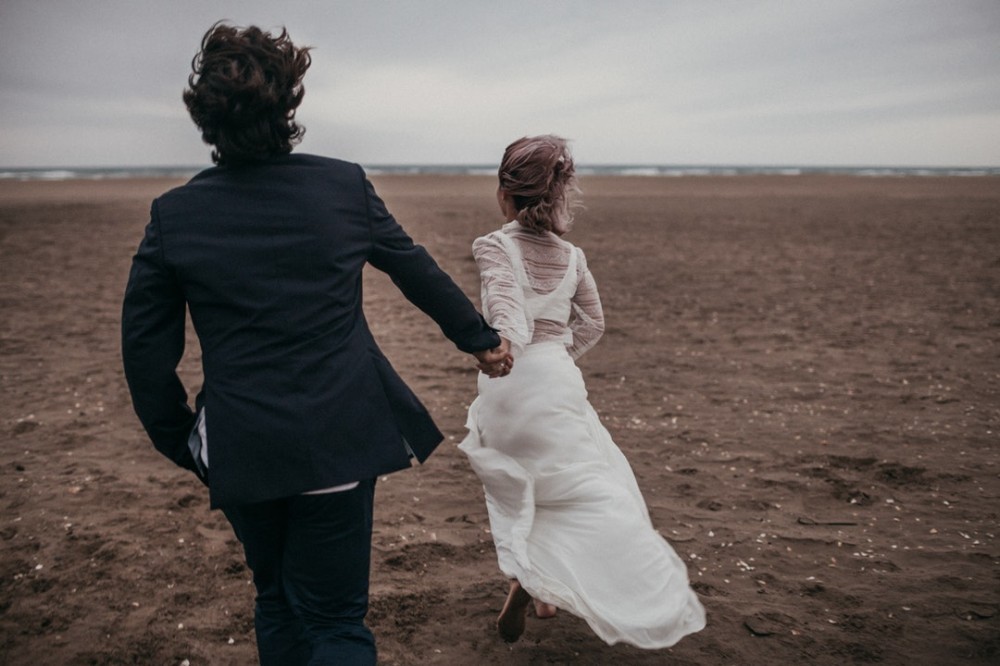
point(153, 316)
point(423, 282)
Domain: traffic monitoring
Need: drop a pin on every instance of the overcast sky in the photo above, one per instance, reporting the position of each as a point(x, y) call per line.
point(803, 82)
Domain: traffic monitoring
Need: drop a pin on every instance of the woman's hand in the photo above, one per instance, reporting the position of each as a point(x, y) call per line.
point(496, 362)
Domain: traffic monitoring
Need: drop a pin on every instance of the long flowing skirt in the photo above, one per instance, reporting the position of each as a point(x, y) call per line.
point(567, 517)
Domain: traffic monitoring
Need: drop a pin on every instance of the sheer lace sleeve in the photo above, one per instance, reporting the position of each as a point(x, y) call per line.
point(587, 324)
point(502, 296)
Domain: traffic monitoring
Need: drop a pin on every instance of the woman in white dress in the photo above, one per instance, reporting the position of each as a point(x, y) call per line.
point(570, 526)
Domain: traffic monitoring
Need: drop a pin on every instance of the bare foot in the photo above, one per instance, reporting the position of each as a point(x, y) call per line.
point(543, 610)
point(510, 624)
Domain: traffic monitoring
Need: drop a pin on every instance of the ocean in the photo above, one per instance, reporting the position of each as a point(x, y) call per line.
point(635, 170)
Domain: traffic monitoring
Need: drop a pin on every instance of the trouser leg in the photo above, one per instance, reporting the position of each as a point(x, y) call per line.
point(327, 565)
point(281, 635)
point(310, 556)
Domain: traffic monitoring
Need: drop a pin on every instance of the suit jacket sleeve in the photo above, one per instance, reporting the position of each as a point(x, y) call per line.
point(153, 316)
point(423, 282)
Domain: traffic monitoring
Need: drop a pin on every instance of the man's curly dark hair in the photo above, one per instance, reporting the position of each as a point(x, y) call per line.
point(243, 92)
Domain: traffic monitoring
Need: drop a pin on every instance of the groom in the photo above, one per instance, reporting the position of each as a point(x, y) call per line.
point(300, 411)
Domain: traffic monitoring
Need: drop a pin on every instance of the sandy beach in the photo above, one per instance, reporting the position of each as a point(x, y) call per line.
point(803, 371)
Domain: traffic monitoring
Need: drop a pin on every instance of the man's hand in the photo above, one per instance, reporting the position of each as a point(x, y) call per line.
point(495, 362)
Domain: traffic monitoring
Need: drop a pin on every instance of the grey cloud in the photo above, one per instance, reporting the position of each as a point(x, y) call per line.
point(631, 80)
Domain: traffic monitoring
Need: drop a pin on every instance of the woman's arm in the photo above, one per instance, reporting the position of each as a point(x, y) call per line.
point(503, 297)
point(587, 323)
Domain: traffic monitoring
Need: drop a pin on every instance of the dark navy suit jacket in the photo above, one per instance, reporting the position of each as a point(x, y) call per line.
point(268, 259)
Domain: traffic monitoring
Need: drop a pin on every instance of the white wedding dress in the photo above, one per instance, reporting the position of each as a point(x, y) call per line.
point(567, 517)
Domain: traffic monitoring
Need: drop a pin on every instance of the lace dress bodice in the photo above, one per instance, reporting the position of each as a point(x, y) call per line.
point(537, 288)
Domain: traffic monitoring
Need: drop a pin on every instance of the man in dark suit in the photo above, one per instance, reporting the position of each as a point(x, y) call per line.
point(300, 411)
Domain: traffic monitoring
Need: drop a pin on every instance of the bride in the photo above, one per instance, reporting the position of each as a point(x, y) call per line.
point(570, 525)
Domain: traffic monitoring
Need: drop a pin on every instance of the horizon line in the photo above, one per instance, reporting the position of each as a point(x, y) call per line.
point(583, 165)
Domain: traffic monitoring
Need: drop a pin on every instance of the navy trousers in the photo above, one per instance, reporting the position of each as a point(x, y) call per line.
point(310, 556)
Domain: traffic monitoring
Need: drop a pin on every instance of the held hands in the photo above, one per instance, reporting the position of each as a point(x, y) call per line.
point(495, 362)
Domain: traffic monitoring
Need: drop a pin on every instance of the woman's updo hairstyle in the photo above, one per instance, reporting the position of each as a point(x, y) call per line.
point(538, 173)
point(243, 91)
